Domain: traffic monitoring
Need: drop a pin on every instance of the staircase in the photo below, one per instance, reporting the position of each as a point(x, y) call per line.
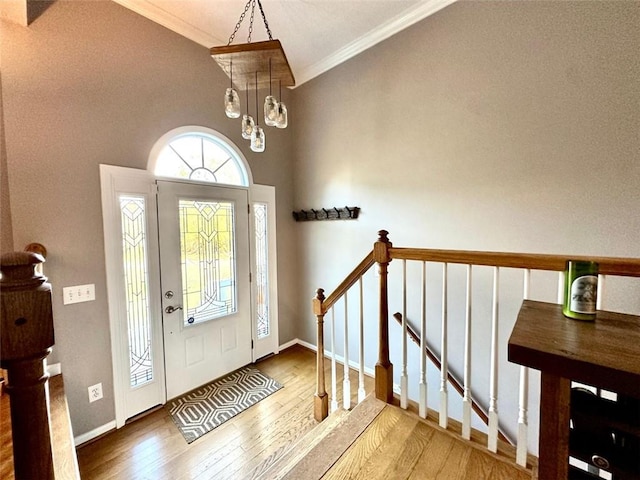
point(377, 440)
point(465, 298)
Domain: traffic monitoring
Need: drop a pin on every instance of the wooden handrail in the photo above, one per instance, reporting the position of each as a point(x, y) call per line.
point(455, 383)
point(628, 267)
point(348, 282)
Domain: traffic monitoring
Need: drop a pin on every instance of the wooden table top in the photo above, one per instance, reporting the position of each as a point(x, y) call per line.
point(603, 353)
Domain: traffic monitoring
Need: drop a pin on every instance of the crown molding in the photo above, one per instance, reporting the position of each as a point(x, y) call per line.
point(382, 32)
point(170, 21)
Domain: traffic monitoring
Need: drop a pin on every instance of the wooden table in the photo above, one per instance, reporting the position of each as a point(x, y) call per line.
point(604, 353)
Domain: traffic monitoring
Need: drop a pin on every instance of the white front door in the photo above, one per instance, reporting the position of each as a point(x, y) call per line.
point(205, 282)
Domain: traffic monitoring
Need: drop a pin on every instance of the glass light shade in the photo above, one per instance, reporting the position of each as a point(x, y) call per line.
point(282, 119)
point(232, 103)
point(270, 110)
point(247, 126)
point(258, 139)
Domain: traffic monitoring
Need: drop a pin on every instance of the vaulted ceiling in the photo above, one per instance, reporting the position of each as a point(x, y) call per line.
point(316, 35)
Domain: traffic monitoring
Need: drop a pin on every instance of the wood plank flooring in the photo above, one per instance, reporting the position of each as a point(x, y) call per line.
point(153, 448)
point(397, 445)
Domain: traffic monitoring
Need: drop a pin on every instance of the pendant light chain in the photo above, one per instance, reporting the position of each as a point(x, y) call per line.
point(242, 15)
point(253, 10)
point(264, 18)
point(252, 4)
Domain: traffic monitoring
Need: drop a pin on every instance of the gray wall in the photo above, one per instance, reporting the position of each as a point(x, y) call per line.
point(6, 230)
point(504, 126)
point(90, 83)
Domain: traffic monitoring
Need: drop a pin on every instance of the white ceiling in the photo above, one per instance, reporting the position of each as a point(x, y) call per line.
point(316, 35)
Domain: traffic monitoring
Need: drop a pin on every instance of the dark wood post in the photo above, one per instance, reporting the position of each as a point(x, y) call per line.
point(25, 341)
point(384, 368)
point(321, 400)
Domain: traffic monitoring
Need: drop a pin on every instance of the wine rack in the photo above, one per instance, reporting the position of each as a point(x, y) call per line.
point(605, 434)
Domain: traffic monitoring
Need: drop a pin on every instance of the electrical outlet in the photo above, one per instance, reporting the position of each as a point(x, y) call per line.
point(95, 392)
point(79, 293)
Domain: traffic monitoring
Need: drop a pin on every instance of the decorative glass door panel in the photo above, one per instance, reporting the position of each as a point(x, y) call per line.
point(207, 257)
point(262, 270)
point(134, 253)
point(206, 300)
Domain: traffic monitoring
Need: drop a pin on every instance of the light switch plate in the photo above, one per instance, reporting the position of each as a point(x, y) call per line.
point(79, 293)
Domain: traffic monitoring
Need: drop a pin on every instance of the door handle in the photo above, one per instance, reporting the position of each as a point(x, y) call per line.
point(171, 308)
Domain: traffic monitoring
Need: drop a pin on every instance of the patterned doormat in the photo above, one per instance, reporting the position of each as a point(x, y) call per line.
point(201, 410)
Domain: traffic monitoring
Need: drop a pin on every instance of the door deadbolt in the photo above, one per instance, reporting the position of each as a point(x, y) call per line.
point(168, 294)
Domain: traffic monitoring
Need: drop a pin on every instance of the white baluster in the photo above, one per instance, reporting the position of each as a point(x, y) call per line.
point(361, 392)
point(334, 381)
point(600, 292)
point(404, 378)
point(493, 394)
point(346, 382)
point(560, 288)
point(523, 404)
point(444, 401)
point(422, 409)
point(466, 398)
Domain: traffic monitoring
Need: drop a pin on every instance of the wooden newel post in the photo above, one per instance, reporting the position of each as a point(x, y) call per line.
point(384, 368)
point(321, 400)
point(26, 339)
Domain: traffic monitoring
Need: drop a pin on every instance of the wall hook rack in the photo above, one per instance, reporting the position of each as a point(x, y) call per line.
point(333, 213)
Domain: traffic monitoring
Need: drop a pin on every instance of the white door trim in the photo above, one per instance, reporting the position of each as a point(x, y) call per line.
point(115, 181)
point(265, 194)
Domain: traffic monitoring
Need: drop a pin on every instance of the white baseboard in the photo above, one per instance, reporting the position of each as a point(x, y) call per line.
point(96, 432)
point(288, 344)
point(308, 345)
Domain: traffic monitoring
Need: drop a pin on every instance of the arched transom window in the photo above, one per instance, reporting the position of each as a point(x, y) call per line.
point(199, 154)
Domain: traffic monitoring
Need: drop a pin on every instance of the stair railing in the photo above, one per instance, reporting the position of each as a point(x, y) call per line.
point(457, 385)
point(321, 306)
point(383, 253)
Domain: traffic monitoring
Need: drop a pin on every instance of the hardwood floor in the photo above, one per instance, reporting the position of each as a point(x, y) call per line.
point(398, 445)
point(395, 445)
point(153, 448)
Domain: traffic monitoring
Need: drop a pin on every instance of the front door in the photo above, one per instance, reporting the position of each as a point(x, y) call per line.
point(205, 282)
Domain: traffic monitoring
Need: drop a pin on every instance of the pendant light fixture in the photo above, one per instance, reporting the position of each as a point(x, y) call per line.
point(257, 135)
point(270, 105)
point(263, 60)
point(247, 120)
point(282, 119)
point(231, 98)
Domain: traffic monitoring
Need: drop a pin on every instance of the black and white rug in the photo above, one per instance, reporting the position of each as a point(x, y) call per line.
point(201, 410)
